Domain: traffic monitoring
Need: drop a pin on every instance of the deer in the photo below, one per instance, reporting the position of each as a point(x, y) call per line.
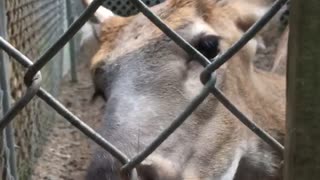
point(147, 80)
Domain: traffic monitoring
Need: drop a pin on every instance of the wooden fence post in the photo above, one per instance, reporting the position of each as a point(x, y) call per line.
point(302, 157)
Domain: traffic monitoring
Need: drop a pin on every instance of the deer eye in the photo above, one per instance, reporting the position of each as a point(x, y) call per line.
point(208, 45)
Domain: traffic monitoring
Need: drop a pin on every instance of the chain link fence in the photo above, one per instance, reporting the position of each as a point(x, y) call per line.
point(33, 78)
point(125, 7)
point(30, 26)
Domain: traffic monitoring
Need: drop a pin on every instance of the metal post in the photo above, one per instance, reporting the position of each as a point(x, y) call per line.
point(302, 157)
point(4, 85)
point(70, 19)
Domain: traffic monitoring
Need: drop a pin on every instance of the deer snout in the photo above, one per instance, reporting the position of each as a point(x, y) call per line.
point(158, 168)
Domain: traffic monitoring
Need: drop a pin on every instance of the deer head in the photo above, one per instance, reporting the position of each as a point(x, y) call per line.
point(147, 80)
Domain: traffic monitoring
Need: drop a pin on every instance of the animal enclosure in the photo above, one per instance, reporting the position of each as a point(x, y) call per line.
point(30, 26)
point(33, 79)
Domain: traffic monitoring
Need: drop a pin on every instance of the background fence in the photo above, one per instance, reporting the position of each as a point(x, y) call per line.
point(31, 26)
point(125, 7)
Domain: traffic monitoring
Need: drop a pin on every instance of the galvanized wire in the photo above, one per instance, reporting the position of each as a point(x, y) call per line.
point(247, 36)
point(204, 93)
point(125, 7)
point(208, 75)
point(170, 33)
point(22, 102)
point(63, 111)
point(63, 40)
point(246, 121)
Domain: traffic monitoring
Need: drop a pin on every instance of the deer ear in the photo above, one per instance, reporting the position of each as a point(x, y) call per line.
point(89, 40)
point(281, 55)
point(101, 13)
point(248, 12)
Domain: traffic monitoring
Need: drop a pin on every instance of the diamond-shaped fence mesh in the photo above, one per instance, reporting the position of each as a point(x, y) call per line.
point(125, 7)
point(32, 26)
point(42, 16)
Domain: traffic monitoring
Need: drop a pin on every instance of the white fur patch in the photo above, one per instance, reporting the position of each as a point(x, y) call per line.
point(229, 174)
point(260, 11)
point(101, 13)
point(199, 26)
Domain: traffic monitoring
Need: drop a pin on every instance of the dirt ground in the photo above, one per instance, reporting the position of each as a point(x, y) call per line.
point(66, 155)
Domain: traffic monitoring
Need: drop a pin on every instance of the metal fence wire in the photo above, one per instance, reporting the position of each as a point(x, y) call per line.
point(125, 7)
point(32, 80)
point(31, 26)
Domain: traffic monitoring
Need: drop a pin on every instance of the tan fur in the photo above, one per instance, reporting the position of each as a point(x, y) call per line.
point(109, 30)
point(222, 138)
point(280, 60)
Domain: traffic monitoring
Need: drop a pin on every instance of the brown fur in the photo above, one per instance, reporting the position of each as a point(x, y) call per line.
point(215, 134)
point(109, 30)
